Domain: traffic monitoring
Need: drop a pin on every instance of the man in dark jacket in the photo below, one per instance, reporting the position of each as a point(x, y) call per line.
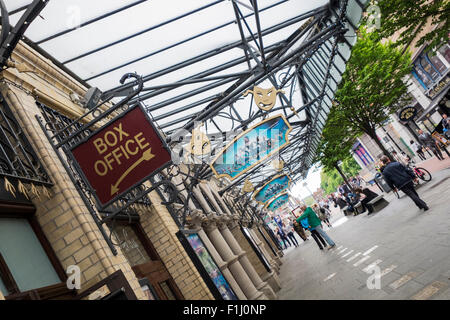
point(427, 140)
point(400, 177)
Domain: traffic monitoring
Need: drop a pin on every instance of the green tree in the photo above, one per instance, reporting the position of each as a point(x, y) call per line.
point(350, 166)
point(372, 86)
point(331, 179)
point(410, 18)
point(334, 147)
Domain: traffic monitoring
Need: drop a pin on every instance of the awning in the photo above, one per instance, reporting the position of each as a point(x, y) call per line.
point(198, 58)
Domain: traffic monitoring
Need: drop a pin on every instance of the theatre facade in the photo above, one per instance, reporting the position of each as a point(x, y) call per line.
point(96, 199)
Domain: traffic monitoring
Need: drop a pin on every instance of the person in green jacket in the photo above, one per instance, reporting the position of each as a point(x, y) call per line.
point(315, 223)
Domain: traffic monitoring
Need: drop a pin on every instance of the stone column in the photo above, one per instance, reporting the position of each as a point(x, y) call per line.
point(242, 256)
point(198, 194)
point(271, 278)
point(242, 278)
point(207, 190)
point(276, 259)
point(195, 221)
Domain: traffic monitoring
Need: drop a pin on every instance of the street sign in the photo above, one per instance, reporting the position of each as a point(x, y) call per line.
point(121, 155)
point(407, 113)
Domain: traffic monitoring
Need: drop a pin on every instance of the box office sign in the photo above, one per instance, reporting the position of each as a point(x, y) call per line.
point(122, 154)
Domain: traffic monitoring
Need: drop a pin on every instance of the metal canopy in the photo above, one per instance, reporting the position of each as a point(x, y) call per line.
point(198, 58)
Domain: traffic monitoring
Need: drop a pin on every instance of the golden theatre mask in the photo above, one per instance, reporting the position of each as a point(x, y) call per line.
point(248, 186)
point(264, 98)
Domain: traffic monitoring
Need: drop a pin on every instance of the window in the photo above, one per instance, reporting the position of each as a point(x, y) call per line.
point(437, 63)
point(25, 260)
point(130, 244)
point(422, 77)
point(445, 51)
point(429, 68)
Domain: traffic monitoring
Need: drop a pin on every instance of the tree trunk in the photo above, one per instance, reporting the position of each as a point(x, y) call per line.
point(343, 176)
point(374, 137)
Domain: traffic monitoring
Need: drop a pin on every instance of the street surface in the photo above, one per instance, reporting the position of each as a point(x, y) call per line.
point(411, 248)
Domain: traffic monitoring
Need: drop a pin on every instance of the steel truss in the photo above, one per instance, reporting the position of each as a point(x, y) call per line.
point(301, 64)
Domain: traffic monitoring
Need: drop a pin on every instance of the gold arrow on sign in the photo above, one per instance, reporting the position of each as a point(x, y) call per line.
point(146, 156)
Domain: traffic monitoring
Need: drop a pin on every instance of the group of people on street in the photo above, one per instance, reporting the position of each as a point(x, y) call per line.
point(312, 220)
point(430, 143)
point(285, 233)
point(348, 198)
point(396, 172)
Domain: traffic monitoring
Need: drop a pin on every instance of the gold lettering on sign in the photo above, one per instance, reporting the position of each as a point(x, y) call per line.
point(114, 154)
point(436, 90)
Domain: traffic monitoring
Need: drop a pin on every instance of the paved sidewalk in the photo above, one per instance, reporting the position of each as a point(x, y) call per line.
point(411, 248)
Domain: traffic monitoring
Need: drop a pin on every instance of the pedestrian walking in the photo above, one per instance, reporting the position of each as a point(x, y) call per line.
point(400, 177)
point(445, 125)
point(289, 231)
point(300, 231)
point(431, 143)
point(283, 238)
point(418, 148)
point(314, 222)
point(316, 236)
point(399, 158)
point(325, 215)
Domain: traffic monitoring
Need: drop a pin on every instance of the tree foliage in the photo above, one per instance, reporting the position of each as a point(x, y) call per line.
point(410, 17)
point(372, 86)
point(336, 142)
point(331, 179)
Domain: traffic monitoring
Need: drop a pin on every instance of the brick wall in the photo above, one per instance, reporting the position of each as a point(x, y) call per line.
point(161, 229)
point(64, 218)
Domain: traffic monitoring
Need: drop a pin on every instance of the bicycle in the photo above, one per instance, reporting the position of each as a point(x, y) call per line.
point(420, 172)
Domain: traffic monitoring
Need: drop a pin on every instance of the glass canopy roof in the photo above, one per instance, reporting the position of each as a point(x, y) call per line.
point(197, 58)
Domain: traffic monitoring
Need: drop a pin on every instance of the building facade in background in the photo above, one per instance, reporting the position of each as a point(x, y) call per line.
point(429, 85)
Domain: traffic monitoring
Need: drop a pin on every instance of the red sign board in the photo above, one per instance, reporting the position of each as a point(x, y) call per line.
point(121, 155)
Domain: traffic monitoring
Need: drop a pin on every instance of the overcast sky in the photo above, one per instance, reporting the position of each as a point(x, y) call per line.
point(313, 181)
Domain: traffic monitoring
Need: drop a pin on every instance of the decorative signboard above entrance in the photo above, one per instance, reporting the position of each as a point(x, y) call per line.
point(121, 155)
point(407, 113)
point(436, 90)
point(278, 202)
point(252, 147)
point(269, 190)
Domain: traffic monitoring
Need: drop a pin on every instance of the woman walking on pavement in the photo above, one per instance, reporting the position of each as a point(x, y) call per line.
point(418, 149)
point(283, 238)
point(324, 215)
